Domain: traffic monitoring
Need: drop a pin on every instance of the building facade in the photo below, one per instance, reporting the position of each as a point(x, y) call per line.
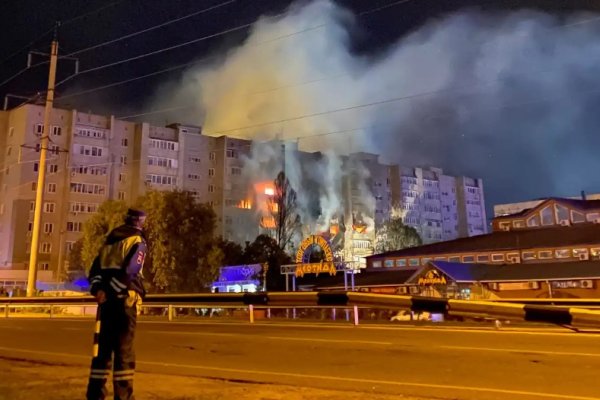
point(440, 207)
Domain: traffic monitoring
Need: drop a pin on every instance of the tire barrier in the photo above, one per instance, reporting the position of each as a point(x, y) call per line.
point(525, 311)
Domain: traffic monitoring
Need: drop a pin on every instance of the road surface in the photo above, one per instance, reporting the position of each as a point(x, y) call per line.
point(441, 363)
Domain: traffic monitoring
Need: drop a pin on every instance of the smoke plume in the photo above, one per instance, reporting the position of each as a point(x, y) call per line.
point(509, 98)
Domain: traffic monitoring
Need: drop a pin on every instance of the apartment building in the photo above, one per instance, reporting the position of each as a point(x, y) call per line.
point(93, 158)
point(440, 207)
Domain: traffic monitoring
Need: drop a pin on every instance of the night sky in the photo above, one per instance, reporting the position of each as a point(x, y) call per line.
point(23, 22)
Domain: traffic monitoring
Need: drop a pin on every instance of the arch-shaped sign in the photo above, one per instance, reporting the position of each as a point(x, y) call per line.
point(303, 255)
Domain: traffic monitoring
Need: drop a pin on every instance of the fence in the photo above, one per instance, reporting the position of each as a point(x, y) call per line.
point(521, 310)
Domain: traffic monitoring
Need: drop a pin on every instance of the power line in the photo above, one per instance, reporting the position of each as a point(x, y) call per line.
point(180, 45)
point(44, 34)
point(130, 35)
point(203, 60)
point(78, 17)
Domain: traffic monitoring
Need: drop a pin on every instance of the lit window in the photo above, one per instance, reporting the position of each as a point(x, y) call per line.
point(529, 255)
point(545, 254)
point(401, 262)
point(468, 259)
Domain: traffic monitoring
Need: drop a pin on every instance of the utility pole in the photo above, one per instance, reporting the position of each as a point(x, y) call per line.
point(39, 194)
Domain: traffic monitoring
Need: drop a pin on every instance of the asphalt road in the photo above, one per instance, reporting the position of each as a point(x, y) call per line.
point(446, 363)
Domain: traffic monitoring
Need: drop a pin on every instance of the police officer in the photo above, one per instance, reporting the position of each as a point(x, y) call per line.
point(116, 282)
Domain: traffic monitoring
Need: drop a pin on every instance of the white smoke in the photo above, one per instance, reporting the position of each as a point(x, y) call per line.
point(492, 96)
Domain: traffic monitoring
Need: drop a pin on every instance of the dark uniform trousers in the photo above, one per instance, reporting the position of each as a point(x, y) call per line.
point(117, 329)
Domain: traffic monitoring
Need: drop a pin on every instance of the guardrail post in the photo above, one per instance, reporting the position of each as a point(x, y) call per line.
point(6, 311)
point(333, 314)
point(251, 312)
point(268, 313)
point(170, 312)
point(355, 310)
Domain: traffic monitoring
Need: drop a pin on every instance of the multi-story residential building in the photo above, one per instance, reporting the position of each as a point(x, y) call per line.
point(438, 206)
point(94, 158)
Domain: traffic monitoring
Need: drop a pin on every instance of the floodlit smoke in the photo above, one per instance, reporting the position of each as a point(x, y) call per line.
point(510, 98)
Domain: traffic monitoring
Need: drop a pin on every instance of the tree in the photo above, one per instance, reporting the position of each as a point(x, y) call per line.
point(110, 214)
point(184, 256)
point(265, 249)
point(283, 207)
point(233, 253)
point(394, 235)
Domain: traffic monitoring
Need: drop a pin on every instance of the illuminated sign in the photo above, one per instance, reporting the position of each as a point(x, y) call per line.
point(315, 268)
point(303, 255)
point(432, 277)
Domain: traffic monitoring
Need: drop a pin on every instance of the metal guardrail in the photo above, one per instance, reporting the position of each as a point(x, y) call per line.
point(523, 310)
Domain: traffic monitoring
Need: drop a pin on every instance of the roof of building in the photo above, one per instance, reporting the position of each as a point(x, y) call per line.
point(555, 236)
point(574, 203)
point(461, 272)
point(368, 279)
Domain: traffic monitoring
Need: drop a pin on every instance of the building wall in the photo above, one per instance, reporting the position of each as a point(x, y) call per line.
point(438, 206)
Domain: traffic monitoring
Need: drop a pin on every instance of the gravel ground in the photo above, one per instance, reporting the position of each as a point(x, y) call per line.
point(21, 380)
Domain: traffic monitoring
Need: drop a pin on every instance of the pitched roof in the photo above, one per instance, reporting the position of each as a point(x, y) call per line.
point(365, 279)
point(556, 236)
point(460, 272)
point(574, 203)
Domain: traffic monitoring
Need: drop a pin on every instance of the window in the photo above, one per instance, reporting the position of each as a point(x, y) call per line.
point(401, 262)
point(74, 226)
point(161, 179)
point(577, 217)
point(85, 150)
point(547, 216)
point(529, 255)
point(11, 131)
point(124, 142)
point(483, 258)
point(43, 266)
point(562, 253)
point(164, 144)
point(49, 207)
point(389, 263)
point(194, 177)
point(162, 162)
point(211, 172)
point(454, 259)
point(519, 223)
point(32, 206)
point(8, 151)
point(580, 253)
point(212, 156)
point(54, 149)
point(425, 261)
point(211, 188)
point(121, 195)
point(88, 188)
point(231, 153)
point(56, 131)
point(1, 208)
point(122, 177)
point(545, 254)
point(36, 167)
point(195, 160)
point(48, 228)
point(69, 246)
point(123, 160)
point(533, 221)
point(77, 207)
point(562, 213)
point(29, 226)
point(38, 129)
point(236, 171)
point(468, 259)
point(497, 257)
point(53, 168)
point(413, 262)
point(89, 132)
point(46, 248)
